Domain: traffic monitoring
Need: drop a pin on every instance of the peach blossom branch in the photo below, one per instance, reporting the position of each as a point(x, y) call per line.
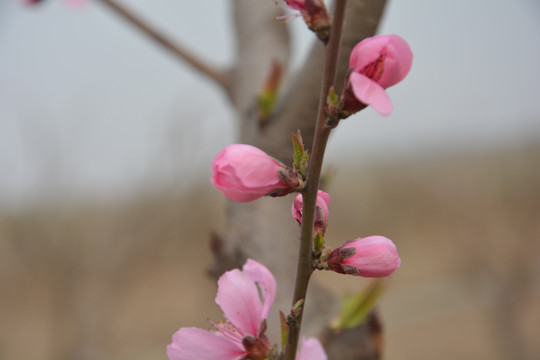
point(322, 132)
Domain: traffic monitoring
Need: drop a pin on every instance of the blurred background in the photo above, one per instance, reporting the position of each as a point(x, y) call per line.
point(105, 208)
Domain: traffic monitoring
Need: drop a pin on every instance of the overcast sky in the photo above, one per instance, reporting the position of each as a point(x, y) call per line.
point(88, 107)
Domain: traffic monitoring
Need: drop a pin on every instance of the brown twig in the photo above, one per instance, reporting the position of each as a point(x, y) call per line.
point(322, 133)
point(217, 75)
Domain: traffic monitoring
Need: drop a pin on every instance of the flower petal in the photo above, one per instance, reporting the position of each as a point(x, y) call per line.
point(324, 196)
point(233, 193)
point(194, 343)
point(239, 299)
point(367, 51)
point(397, 63)
point(266, 282)
point(245, 173)
point(311, 350)
point(253, 166)
point(371, 93)
point(375, 256)
point(296, 4)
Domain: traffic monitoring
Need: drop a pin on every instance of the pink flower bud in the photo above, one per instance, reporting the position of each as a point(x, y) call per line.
point(373, 256)
point(315, 15)
point(376, 63)
point(321, 211)
point(245, 173)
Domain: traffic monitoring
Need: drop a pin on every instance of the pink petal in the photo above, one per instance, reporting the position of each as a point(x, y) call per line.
point(397, 60)
point(376, 256)
point(239, 299)
point(239, 195)
point(254, 167)
point(397, 63)
point(323, 199)
point(311, 350)
point(325, 196)
point(244, 173)
point(296, 4)
point(367, 51)
point(266, 282)
point(369, 92)
point(194, 343)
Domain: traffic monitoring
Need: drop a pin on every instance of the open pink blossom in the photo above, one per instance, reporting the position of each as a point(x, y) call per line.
point(245, 298)
point(245, 173)
point(373, 256)
point(376, 63)
point(321, 211)
point(311, 349)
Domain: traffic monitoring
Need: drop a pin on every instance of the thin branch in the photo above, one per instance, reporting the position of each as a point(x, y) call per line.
point(217, 75)
point(322, 133)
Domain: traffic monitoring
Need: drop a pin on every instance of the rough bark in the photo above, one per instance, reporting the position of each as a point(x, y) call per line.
point(264, 229)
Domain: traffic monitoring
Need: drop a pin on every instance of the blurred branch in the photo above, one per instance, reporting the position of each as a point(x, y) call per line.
point(219, 76)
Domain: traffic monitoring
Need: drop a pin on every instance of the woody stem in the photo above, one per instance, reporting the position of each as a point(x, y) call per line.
point(322, 132)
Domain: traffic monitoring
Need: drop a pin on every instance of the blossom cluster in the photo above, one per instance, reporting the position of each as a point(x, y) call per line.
point(245, 173)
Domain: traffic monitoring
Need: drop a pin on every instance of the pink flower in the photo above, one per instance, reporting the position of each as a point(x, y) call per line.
point(373, 256)
point(245, 173)
point(321, 211)
point(245, 298)
point(376, 63)
point(311, 350)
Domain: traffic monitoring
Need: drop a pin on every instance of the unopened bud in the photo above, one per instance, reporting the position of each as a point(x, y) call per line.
point(321, 211)
point(373, 256)
point(245, 173)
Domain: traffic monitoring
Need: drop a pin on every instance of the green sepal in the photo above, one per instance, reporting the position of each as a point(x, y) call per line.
point(300, 157)
point(355, 309)
point(297, 308)
point(333, 99)
point(284, 329)
point(318, 242)
point(266, 103)
point(333, 106)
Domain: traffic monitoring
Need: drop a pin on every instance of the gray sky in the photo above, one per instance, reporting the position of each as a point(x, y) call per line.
point(89, 108)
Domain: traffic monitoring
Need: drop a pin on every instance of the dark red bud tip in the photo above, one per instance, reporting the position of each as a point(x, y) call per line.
point(349, 103)
point(257, 349)
point(337, 256)
point(249, 342)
